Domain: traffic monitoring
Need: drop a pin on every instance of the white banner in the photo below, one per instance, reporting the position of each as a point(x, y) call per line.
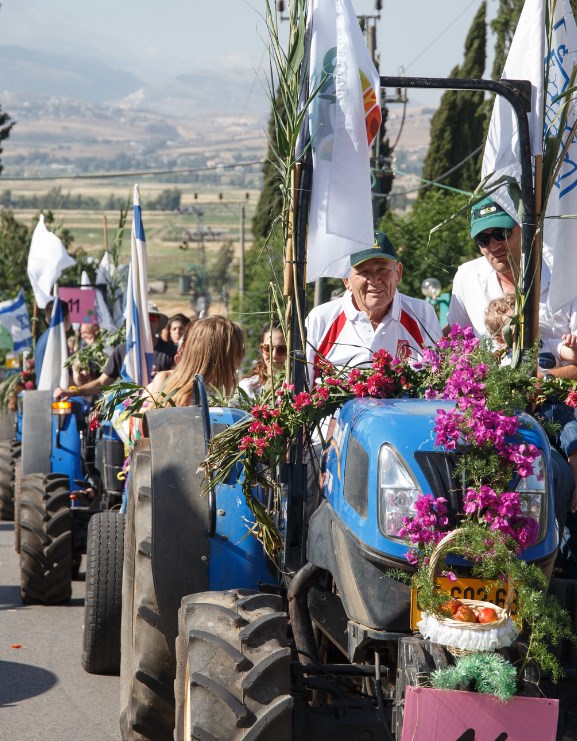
point(344, 118)
point(530, 59)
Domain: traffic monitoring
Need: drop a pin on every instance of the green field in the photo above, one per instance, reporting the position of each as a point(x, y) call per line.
point(173, 239)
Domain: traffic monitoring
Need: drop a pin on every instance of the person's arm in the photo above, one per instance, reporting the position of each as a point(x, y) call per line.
point(565, 371)
point(87, 389)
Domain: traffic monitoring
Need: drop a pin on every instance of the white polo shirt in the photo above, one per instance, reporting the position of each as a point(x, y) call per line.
point(476, 284)
point(343, 335)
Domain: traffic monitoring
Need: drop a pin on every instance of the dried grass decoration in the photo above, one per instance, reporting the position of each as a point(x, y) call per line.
point(462, 638)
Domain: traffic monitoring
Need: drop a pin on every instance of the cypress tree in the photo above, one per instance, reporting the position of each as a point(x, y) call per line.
point(457, 125)
point(503, 26)
point(270, 200)
point(6, 125)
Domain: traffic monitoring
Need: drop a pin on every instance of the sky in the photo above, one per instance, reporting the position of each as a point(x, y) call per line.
point(159, 39)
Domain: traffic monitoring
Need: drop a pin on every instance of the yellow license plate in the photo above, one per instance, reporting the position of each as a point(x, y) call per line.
point(467, 588)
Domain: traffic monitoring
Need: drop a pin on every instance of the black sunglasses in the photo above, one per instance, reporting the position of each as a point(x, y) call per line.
point(499, 235)
point(281, 349)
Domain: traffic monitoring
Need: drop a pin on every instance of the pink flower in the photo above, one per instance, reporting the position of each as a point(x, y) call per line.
point(571, 399)
point(412, 557)
point(302, 400)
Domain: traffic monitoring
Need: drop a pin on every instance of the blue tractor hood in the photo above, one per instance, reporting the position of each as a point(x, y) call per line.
point(351, 480)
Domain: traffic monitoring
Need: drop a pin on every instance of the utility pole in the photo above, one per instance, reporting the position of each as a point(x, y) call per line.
point(241, 261)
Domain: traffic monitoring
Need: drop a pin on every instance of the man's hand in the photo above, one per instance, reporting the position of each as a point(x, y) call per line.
point(61, 394)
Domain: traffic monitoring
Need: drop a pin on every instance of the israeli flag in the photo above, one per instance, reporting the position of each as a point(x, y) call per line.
point(138, 361)
point(15, 318)
point(53, 372)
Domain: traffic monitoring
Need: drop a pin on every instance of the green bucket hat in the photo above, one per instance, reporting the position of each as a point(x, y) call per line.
point(382, 247)
point(486, 214)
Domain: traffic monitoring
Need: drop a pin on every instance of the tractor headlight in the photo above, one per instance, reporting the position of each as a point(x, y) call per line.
point(398, 492)
point(533, 490)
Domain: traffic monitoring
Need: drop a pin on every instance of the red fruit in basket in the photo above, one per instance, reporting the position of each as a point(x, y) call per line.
point(465, 615)
point(487, 615)
point(451, 606)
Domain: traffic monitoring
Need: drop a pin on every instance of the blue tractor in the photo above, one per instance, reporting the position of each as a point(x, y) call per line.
point(67, 504)
point(208, 649)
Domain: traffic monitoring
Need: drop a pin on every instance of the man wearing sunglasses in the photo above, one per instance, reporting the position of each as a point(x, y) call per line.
point(496, 273)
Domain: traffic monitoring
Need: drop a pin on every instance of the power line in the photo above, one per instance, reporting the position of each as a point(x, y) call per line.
point(444, 175)
point(434, 41)
point(133, 173)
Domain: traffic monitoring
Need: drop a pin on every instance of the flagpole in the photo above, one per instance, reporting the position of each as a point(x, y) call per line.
point(538, 243)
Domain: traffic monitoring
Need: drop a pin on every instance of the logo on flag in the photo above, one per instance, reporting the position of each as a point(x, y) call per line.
point(15, 318)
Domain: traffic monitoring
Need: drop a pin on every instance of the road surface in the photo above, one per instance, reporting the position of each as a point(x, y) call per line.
point(44, 691)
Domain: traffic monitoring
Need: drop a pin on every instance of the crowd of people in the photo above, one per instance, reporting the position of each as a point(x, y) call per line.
point(371, 314)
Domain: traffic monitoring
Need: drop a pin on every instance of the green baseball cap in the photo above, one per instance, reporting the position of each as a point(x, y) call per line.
point(383, 247)
point(486, 214)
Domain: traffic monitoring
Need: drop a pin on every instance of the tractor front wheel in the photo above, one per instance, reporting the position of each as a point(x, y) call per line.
point(233, 668)
point(45, 539)
point(6, 482)
point(103, 601)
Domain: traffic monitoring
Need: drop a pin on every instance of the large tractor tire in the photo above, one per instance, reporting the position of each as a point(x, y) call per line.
point(45, 547)
point(147, 667)
point(6, 482)
point(17, 499)
point(103, 600)
point(416, 660)
point(233, 668)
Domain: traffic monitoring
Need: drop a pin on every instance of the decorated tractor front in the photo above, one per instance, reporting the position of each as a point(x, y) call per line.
point(382, 460)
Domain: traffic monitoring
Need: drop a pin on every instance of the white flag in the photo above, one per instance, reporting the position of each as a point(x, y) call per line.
point(53, 373)
point(110, 276)
point(344, 118)
point(530, 58)
point(138, 361)
point(46, 261)
point(15, 318)
point(102, 313)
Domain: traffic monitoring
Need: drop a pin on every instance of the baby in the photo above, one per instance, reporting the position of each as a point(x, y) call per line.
point(552, 354)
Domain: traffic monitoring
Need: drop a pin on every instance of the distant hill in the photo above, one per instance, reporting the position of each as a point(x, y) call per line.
point(30, 74)
point(77, 115)
point(27, 71)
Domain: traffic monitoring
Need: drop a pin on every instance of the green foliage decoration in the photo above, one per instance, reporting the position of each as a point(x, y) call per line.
point(488, 673)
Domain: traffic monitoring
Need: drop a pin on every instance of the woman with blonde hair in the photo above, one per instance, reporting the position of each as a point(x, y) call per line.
point(212, 347)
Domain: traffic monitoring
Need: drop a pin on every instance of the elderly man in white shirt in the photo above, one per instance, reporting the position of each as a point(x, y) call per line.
point(372, 315)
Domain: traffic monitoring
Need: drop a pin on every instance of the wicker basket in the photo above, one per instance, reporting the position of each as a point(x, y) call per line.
point(464, 638)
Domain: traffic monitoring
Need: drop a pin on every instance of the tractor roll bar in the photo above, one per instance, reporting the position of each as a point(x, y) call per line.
point(518, 93)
